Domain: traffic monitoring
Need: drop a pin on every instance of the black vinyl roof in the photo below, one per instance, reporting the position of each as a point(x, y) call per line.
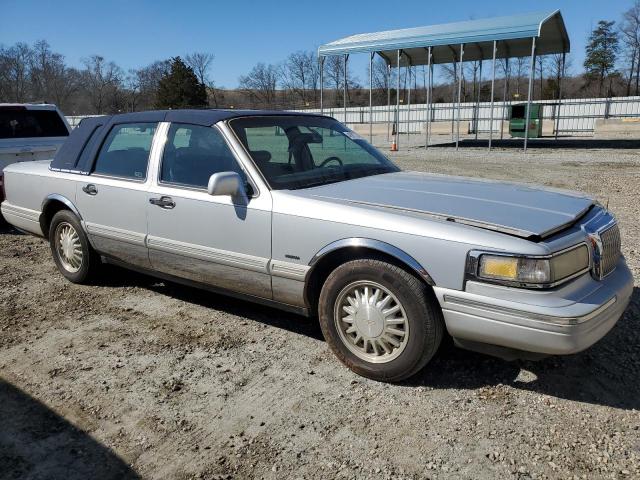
point(197, 117)
point(80, 149)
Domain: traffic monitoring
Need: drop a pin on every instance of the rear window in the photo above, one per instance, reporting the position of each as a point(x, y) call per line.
point(22, 123)
point(125, 152)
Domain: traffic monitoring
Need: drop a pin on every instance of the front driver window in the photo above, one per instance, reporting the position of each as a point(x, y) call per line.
point(193, 153)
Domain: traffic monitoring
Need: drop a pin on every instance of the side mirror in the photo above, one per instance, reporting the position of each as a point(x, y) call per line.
point(225, 183)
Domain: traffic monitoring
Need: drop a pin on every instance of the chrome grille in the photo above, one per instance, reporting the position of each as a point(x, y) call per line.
point(610, 250)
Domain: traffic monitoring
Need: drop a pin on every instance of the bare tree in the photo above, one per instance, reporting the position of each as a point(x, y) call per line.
point(521, 71)
point(201, 63)
point(299, 74)
point(103, 83)
point(556, 73)
point(630, 36)
point(381, 79)
point(51, 79)
point(261, 83)
point(540, 69)
point(16, 62)
point(142, 84)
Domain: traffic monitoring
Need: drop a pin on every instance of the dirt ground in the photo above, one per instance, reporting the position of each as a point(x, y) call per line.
point(135, 377)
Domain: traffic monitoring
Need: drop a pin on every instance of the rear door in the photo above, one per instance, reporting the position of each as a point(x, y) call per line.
point(216, 240)
point(112, 198)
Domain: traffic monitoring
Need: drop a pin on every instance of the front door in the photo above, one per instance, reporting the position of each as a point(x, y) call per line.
point(112, 199)
point(214, 240)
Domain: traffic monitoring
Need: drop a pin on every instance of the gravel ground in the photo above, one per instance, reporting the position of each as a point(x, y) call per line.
point(139, 378)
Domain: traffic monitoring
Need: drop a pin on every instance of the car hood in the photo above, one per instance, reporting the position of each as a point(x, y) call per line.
point(512, 208)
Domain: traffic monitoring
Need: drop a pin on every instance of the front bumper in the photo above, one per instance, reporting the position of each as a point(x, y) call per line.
point(559, 321)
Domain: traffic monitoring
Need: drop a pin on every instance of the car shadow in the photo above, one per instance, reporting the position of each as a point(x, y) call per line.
point(6, 228)
point(117, 277)
point(606, 374)
point(36, 442)
point(546, 143)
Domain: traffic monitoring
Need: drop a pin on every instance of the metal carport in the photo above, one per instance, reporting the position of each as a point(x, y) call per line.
point(473, 40)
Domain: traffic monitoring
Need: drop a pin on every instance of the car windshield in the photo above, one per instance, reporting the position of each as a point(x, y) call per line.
point(295, 152)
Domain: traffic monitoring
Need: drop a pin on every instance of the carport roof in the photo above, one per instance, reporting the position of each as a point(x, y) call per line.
point(513, 34)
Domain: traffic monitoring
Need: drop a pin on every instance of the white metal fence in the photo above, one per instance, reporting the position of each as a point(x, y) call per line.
point(572, 116)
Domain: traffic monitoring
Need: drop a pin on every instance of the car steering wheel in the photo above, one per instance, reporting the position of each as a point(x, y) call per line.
point(327, 160)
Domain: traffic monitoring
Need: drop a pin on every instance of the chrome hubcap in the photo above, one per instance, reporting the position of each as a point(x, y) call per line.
point(68, 247)
point(371, 322)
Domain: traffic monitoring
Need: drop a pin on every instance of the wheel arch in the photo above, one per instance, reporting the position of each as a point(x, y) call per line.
point(52, 205)
point(347, 249)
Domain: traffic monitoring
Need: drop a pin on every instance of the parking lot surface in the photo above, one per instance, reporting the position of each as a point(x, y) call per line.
point(139, 378)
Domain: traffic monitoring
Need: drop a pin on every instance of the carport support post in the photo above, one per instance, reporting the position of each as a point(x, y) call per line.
point(477, 125)
point(560, 95)
point(398, 104)
point(408, 101)
point(344, 93)
point(493, 84)
point(428, 99)
point(371, 97)
point(321, 84)
point(531, 73)
point(459, 97)
point(388, 99)
point(504, 95)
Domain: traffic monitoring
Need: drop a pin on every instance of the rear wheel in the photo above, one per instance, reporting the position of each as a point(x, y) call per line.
point(379, 320)
point(71, 250)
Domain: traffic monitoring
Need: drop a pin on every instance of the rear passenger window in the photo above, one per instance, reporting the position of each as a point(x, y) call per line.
point(193, 153)
point(125, 152)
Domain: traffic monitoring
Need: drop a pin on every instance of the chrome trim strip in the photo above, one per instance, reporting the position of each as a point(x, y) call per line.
point(550, 319)
point(118, 234)
point(357, 242)
point(20, 212)
point(594, 229)
point(63, 199)
point(225, 257)
point(289, 270)
point(205, 286)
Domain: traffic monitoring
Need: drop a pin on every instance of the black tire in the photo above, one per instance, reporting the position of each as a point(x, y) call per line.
point(421, 315)
point(90, 261)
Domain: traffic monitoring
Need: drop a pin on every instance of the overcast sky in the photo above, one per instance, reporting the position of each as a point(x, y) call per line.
point(242, 33)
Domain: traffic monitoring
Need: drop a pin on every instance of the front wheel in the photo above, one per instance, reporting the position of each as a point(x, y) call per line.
point(379, 320)
point(71, 250)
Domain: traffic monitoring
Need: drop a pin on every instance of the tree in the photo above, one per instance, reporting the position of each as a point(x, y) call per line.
point(334, 72)
point(143, 84)
point(180, 87)
point(51, 79)
point(16, 62)
point(299, 73)
point(201, 63)
point(261, 83)
point(630, 32)
point(103, 83)
point(602, 50)
point(522, 69)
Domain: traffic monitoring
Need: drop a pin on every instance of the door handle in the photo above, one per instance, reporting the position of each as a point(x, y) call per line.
point(163, 202)
point(90, 189)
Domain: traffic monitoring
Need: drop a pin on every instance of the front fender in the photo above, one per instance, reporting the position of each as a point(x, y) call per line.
point(377, 245)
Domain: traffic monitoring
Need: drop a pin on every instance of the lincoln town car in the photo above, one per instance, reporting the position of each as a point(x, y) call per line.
point(298, 212)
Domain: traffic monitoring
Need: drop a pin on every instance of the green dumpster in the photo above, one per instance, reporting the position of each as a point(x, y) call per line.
point(517, 124)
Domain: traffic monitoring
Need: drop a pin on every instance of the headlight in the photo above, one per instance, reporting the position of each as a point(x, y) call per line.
point(535, 272)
